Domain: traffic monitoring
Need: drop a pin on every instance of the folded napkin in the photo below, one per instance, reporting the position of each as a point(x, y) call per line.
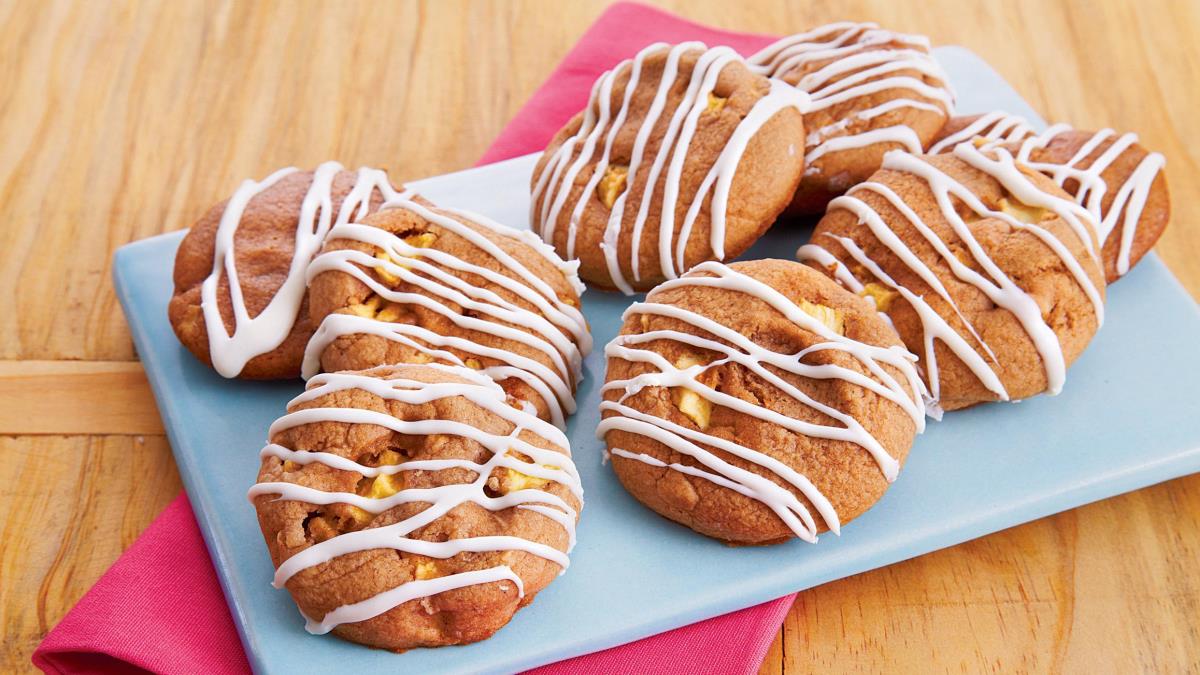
point(160, 608)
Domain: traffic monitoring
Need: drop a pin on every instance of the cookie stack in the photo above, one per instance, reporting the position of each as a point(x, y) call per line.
point(421, 490)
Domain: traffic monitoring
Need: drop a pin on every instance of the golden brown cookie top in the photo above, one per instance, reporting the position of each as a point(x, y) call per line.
point(682, 155)
point(872, 90)
point(993, 128)
point(987, 269)
point(240, 271)
point(1121, 183)
point(413, 505)
point(741, 399)
point(450, 286)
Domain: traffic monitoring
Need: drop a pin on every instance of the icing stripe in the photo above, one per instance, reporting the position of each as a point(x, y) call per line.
point(419, 588)
point(993, 128)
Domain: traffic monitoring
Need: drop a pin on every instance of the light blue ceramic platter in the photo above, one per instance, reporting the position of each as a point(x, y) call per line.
point(1127, 418)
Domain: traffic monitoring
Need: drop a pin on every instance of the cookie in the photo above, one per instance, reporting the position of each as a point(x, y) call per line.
point(240, 302)
point(414, 283)
point(412, 506)
point(1121, 183)
point(987, 269)
point(872, 91)
point(758, 402)
point(682, 155)
point(994, 128)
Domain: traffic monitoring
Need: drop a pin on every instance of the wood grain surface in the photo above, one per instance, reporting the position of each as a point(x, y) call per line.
point(121, 120)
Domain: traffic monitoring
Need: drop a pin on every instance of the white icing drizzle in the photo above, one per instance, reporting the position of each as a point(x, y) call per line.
point(1091, 189)
point(733, 347)
point(993, 128)
point(858, 69)
point(418, 588)
point(903, 135)
point(550, 385)
point(440, 276)
point(600, 127)
point(480, 390)
point(993, 281)
point(267, 330)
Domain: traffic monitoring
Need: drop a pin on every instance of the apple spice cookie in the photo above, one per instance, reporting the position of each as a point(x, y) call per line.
point(1121, 183)
point(994, 128)
point(757, 402)
point(415, 283)
point(240, 303)
point(986, 269)
point(872, 91)
point(412, 506)
point(682, 155)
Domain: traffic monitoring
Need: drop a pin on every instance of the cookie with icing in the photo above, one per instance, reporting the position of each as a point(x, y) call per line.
point(415, 283)
point(1120, 182)
point(412, 506)
point(682, 155)
point(989, 271)
point(985, 130)
point(758, 402)
point(872, 90)
point(240, 301)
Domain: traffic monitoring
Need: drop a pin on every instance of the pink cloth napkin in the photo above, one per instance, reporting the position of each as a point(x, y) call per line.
point(160, 609)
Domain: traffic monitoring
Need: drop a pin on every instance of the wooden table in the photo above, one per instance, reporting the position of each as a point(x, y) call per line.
point(123, 120)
